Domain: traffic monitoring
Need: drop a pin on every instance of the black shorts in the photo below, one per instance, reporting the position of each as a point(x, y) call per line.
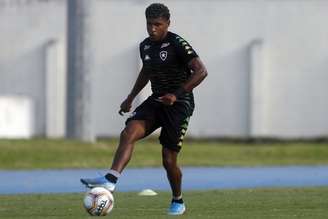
point(172, 119)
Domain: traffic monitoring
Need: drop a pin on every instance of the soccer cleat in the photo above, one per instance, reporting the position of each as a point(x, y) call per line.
point(98, 182)
point(176, 208)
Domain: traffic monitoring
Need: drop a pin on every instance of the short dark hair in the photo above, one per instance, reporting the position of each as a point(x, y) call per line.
point(157, 10)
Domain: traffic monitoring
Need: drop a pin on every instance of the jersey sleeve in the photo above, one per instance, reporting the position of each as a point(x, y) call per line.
point(184, 50)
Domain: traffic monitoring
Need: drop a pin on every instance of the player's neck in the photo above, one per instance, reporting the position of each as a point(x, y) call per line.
point(164, 35)
point(162, 38)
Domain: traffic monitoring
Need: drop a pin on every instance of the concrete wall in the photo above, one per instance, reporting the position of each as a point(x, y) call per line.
point(267, 61)
point(28, 28)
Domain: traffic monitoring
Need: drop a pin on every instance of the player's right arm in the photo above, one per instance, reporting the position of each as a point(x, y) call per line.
point(140, 83)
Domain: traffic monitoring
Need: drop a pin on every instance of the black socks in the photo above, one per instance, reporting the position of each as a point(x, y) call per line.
point(111, 178)
point(178, 200)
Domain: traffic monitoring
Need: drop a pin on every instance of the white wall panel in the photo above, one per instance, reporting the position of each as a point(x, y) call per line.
point(288, 97)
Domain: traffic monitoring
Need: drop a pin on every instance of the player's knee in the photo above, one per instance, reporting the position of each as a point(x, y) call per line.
point(168, 163)
point(123, 134)
point(126, 135)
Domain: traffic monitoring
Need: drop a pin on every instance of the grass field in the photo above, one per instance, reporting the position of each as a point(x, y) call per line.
point(49, 154)
point(256, 203)
point(249, 203)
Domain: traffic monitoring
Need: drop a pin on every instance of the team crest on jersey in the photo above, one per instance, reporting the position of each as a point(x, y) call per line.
point(163, 55)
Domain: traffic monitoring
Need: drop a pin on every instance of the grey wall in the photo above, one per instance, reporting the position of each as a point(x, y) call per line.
point(275, 88)
point(26, 27)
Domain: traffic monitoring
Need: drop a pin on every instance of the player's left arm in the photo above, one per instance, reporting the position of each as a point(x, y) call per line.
point(199, 73)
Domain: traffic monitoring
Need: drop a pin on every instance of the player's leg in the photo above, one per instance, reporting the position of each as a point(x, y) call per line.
point(174, 126)
point(174, 176)
point(137, 127)
point(134, 130)
point(173, 171)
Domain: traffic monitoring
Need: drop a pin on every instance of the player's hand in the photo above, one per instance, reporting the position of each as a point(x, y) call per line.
point(125, 106)
point(168, 99)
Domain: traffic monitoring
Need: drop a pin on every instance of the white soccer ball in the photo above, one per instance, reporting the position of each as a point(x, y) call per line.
point(98, 201)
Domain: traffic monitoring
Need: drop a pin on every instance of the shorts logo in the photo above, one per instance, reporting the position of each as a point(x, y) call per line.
point(163, 55)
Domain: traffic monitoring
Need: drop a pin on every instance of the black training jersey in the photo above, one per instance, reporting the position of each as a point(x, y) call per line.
point(166, 62)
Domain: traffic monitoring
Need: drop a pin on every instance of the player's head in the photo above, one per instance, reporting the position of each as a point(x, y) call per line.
point(158, 21)
point(157, 10)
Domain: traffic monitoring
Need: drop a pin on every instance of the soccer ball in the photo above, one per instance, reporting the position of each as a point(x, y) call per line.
point(98, 201)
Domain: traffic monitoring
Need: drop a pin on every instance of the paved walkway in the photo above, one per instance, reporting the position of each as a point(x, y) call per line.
point(61, 181)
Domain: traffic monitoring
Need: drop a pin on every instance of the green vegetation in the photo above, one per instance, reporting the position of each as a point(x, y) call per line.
point(256, 203)
point(49, 154)
point(248, 203)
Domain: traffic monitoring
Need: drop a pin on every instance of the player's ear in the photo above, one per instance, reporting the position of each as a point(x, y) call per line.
point(168, 22)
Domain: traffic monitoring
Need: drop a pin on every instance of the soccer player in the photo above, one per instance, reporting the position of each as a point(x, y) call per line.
point(174, 70)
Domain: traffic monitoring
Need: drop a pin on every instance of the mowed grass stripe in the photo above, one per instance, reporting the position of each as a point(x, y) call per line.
point(53, 154)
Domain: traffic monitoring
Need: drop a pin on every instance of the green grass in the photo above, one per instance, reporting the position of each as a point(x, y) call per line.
point(49, 154)
point(256, 203)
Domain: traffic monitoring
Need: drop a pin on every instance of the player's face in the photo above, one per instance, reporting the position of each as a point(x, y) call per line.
point(157, 28)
